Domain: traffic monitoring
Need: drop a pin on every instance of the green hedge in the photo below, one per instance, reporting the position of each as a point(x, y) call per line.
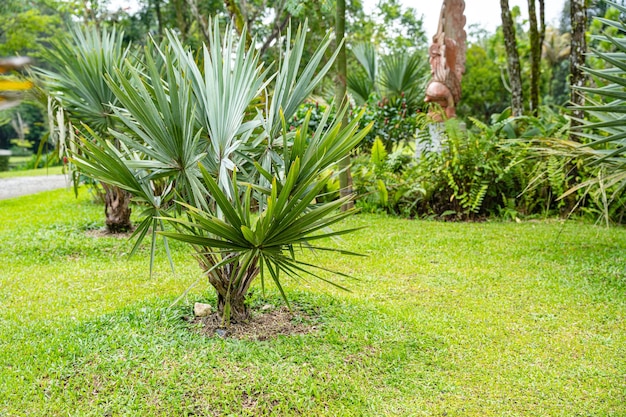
point(4, 160)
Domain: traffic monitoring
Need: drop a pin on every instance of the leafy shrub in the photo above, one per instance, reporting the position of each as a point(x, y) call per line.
point(4, 161)
point(313, 113)
point(477, 173)
point(41, 161)
point(393, 122)
point(391, 90)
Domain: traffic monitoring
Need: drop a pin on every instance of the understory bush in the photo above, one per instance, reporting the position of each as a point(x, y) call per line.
point(490, 170)
point(41, 161)
point(393, 122)
point(4, 161)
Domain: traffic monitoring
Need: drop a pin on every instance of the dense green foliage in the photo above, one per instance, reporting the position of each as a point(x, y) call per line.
point(483, 91)
point(465, 319)
point(4, 162)
point(387, 84)
point(603, 129)
point(390, 89)
point(488, 170)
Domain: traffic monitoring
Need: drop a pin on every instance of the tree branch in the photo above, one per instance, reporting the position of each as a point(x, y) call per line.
point(275, 32)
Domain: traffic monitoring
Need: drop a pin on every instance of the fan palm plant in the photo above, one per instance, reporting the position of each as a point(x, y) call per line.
point(77, 83)
point(604, 130)
point(245, 187)
point(392, 76)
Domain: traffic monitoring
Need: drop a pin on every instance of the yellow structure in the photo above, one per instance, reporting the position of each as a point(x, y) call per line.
point(12, 90)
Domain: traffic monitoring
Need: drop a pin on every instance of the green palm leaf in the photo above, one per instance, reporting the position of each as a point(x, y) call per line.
point(245, 189)
point(603, 130)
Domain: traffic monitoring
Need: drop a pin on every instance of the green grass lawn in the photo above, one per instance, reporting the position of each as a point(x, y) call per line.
point(32, 172)
point(456, 319)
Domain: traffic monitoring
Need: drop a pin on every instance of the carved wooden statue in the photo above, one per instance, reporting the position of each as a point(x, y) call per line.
point(447, 59)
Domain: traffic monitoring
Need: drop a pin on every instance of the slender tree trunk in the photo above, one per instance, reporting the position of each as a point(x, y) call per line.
point(116, 209)
point(202, 23)
point(345, 179)
point(181, 18)
point(578, 48)
point(239, 18)
point(578, 15)
point(535, 58)
point(159, 17)
point(512, 59)
point(542, 22)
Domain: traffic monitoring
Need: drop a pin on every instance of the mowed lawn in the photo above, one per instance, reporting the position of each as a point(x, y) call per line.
point(443, 319)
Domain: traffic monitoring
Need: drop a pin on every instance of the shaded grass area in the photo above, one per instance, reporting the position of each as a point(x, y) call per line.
point(485, 319)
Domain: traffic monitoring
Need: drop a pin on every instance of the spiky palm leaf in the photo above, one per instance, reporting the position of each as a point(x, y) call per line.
point(604, 130)
point(403, 75)
point(362, 84)
point(391, 76)
point(186, 125)
point(365, 53)
point(77, 80)
point(78, 85)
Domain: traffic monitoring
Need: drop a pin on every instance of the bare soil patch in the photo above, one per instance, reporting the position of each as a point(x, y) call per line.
point(264, 325)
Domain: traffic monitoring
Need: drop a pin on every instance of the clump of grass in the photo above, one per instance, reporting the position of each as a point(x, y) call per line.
point(485, 319)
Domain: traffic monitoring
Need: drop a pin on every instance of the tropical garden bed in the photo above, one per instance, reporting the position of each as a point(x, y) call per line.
point(237, 162)
point(483, 319)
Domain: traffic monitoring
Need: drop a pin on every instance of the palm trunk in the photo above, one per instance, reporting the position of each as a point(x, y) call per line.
point(116, 209)
point(239, 311)
point(231, 296)
point(345, 179)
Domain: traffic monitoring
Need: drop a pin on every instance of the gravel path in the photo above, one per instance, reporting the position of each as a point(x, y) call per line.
point(15, 187)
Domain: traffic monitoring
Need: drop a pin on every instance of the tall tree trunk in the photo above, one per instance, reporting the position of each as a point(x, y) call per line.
point(116, 209)
point(578, 16)
point(239, 18)
point(512, 60)
point(542, 22)
point(159, 17)
point(202, 23)
point(535, 58)
point(345, 179)
point(181, 18)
